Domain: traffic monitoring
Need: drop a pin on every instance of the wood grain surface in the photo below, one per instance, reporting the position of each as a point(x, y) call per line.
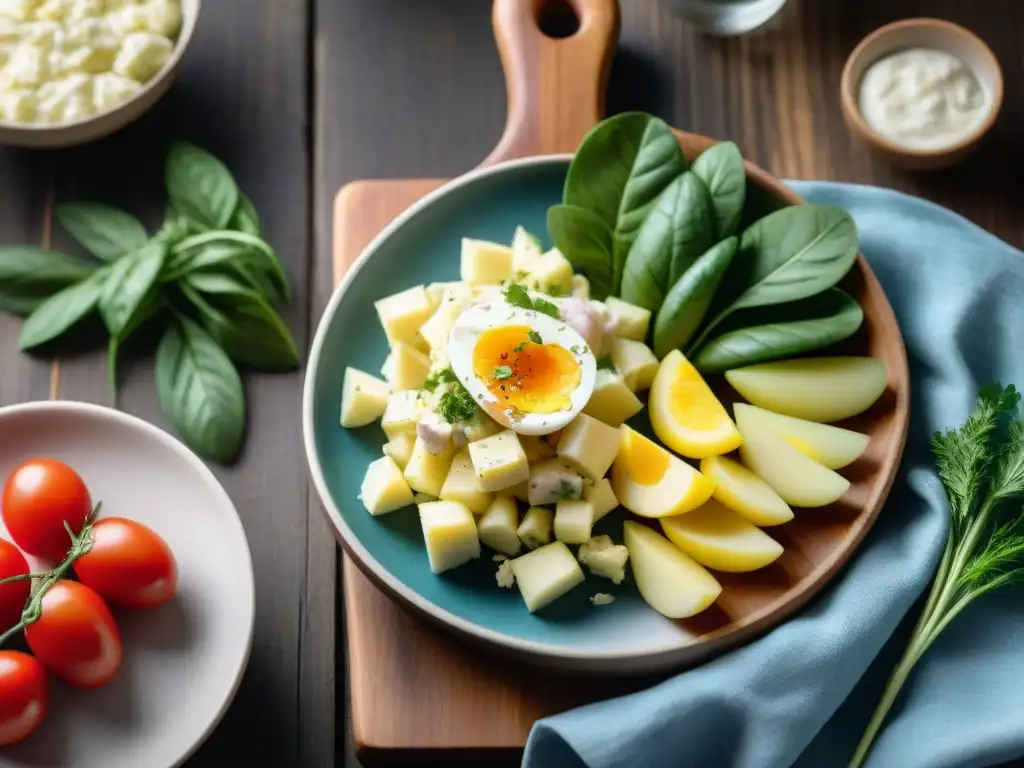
point(775, 95)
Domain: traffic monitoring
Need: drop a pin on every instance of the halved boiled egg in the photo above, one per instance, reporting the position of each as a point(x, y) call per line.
point(527, 370)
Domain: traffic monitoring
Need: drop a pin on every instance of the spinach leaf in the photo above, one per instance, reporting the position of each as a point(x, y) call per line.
point(245, 219)
point(791, 254)
point(678, 229)
point(586, 242)
point(30, 275)
point(200, 186)
point(618, 171)
point(200, 391)
point(176, 227)
point(688, 300)
point(61, 311)
point(783, 331)
point(244, 255)
point(721, 168)
point(130, 286)
point(241, 322)
point(104, 231)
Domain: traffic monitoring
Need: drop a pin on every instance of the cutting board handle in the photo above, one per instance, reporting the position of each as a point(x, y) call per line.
point(555, 85)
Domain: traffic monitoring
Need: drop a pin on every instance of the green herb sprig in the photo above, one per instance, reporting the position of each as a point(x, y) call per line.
point(518, 296)
point(981, 466)
point(207, 278)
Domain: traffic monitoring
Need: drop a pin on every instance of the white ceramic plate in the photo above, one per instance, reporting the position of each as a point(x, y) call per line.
point(182, 661)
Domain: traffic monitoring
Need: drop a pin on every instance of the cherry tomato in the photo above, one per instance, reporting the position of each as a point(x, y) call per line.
point(13, 596)
point(76, 637)
point(39, 497)
point(24, 695)
point(128, 565)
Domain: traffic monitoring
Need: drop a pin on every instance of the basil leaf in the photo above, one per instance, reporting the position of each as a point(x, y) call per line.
point(200, 391)
point(61, 311)
point(30, 275)
point(176, 227)
point(688, 300)
point(585, 240)
point(200, 186)
point(242, 322)
point(131, 282)
point(104, 231)
point(618, 171)
point(245, 219)
point(791, 254)
point(678, 229)
point(247, 256)
point(721, 168)
point(784, 331)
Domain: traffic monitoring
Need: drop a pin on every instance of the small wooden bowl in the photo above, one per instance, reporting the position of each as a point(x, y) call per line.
point(921, 33)
point(102, 124)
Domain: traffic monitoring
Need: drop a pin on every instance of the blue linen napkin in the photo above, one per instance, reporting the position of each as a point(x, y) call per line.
point(802, 694)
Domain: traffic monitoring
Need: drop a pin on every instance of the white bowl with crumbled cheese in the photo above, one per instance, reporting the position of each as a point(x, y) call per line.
point(72, 71)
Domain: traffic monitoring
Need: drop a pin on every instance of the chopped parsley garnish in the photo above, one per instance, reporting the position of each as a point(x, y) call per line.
point(522, 274)
point(605, 364)
point(517, 296)
point(519, 347)
point(502, 372)
point(444, 376)
point(534, 337)
point(566, 490)
point(575, 349)
point(457, 405)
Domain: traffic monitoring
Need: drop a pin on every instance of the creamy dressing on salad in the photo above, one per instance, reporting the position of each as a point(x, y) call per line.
point(922, 98)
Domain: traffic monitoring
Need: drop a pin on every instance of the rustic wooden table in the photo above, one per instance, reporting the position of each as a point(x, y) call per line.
point(301, 96)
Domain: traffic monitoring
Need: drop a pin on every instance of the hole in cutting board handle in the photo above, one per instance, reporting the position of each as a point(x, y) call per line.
point(558, 19)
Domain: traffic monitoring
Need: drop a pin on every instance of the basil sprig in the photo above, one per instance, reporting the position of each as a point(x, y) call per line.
point(206, 279)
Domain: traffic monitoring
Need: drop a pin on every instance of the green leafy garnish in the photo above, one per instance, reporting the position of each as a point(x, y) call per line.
point(519, 347)
point(981, 466)
point(534, 337)
point(502, 372)
point(444, 376)
point(605, 364)
point(517, 296)
point(457, 404)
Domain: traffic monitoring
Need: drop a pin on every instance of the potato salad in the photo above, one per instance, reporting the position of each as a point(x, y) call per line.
point(62, 61)
point(504, 400)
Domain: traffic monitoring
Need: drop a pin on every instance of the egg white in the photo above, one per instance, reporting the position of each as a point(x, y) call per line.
point(476, 320)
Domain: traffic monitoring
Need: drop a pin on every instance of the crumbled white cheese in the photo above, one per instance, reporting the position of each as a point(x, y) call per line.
point(499, 558)
point(605, 558)
point(505, 577)
point(602, 598)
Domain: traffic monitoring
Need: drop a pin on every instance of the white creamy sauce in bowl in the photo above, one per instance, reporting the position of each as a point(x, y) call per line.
point(923, 98)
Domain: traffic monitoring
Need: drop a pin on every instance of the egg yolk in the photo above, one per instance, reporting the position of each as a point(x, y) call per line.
point(522, 375)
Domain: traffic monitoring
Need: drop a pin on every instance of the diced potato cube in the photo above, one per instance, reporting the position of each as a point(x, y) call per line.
point(437, 328)
point(449, 531)
point(633, 321)
point(580, 287)
point(602, 497)
point(427, 471)
point(404, 409)
point(462, 485)
point(402, 314)
point(635, 362)
point(423, 498)
point(553, 272)
point(485, 263)
point(574, 520)
point(589, 446)
point(482, 426)
point(363, 398)
point(499, 461)
point(409, 367)
point(497, 527)
point(384, 489)
point(520, 490)
point(535, 529)
point(526, 251)
point(612, 401)
point(546, 574)
point(604, 558)
point(435, 432)
point(436, 291)
point(387, 369)
point(535, 448)
point(399, 448)
point(553, 480)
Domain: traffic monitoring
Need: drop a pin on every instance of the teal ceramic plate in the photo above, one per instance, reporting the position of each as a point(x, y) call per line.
point(423, 246)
